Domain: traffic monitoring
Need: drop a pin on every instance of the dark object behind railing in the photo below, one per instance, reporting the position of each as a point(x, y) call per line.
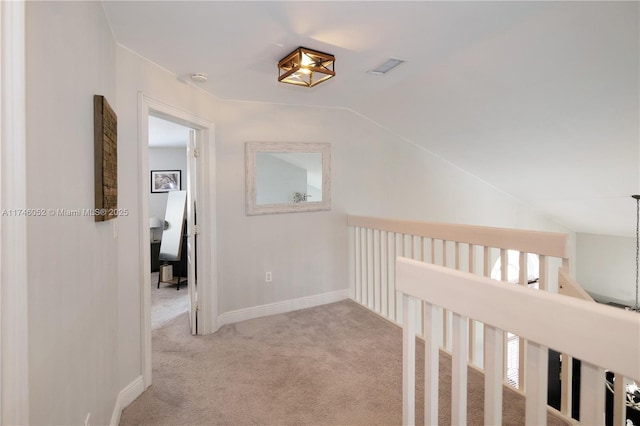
point(554, 389)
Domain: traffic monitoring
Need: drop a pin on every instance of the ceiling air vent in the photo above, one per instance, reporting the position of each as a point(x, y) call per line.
point(386, 67)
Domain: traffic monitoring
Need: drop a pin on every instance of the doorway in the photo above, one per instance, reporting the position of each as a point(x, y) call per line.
point(169, 171)
point(202, 184)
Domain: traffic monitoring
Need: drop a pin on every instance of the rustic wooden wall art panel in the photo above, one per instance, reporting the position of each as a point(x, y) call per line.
point(106, 159)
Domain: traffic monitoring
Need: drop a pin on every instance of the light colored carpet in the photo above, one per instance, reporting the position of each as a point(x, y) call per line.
point(167, 303)
point(336, 364)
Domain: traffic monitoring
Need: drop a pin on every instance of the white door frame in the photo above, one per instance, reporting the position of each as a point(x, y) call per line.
point(14, 353)
point(207, 255)
point(193, 152)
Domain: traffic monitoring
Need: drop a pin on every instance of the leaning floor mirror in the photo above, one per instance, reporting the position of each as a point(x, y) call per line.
point(287, 177)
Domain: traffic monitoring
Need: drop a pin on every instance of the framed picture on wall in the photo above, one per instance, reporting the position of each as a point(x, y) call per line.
point(166, 180)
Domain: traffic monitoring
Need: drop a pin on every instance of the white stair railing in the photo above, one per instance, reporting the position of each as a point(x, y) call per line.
point(376, 242)
point(585, 330)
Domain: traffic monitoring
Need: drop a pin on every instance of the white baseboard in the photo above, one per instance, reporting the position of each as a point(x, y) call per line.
point(282, 307)
point(126, 397)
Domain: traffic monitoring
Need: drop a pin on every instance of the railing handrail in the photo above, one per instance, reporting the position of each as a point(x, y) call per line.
point(568, 286)
point(586, 330)
point(543, 243)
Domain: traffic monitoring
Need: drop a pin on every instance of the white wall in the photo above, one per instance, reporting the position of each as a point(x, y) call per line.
point(165, 159)
point(606, 267)
point(72, 261)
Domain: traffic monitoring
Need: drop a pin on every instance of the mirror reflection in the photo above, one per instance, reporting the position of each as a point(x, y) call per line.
point(288, 177)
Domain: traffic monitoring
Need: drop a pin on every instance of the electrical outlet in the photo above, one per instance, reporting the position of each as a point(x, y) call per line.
point(86, 419)
point(268, 277)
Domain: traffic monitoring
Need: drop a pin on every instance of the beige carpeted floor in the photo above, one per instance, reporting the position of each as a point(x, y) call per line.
point(336, 364)
point(167, 303)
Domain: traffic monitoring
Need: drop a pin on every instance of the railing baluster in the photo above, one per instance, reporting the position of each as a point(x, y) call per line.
point(363, 281)
point(387, 272)
point(504, 265)
point(493, 375)
point(365, 274)
point(537, 369)
point(433, 251)
point(444, 252)
point(399, 304)
point(566, 384)
point(592, 399)
point(416, 256)
point(543, 266)
point(445, 313)
point(353, 270)
point(523, 278)
point(392, 290)
point(619, 400)
point(374, 269)
point(422, 307)
point(433, 262)
point(504, 276)
point(356, 264)
point(472, 323)
point(486, 264)
point(412, 245)
point(380, 271)
point(408, 361)
point(459, 363)
point(431, 363)
point(371, 269)
point(566, 364)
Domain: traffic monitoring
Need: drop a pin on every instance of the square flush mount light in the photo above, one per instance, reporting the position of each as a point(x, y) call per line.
point(306, 67)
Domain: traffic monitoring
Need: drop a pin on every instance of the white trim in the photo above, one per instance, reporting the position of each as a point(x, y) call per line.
point(282, 307)
point(543, 243)
point(2, 100)
point(207, 267)
point(576, 327)
point(126, 396)
point(14, 351)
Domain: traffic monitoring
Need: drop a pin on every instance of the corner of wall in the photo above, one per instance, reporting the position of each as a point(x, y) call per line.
point(125, 397)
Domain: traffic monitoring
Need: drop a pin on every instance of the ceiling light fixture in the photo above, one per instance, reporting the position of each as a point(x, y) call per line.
point(306, 67)
point(386, 67)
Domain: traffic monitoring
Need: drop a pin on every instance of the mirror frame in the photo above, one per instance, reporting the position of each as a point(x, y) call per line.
point(251, 148)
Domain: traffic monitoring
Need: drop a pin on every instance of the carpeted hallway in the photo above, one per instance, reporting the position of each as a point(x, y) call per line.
point(167, 303)
point(336, 364)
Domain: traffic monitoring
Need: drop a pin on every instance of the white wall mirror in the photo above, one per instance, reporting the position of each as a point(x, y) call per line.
point(287, 177)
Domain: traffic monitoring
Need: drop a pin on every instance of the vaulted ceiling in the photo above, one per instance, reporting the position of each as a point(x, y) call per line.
point(539, 99)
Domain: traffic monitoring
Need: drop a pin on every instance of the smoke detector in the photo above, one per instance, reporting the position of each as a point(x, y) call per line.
point(199, 77)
